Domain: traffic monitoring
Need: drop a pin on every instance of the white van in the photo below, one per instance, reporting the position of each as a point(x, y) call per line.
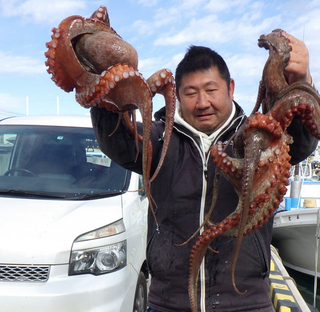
point(73, 225)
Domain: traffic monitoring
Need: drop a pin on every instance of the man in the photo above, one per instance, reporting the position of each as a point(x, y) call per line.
point(183, 189)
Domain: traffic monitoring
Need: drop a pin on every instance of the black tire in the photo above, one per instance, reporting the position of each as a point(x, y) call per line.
point(140, 297)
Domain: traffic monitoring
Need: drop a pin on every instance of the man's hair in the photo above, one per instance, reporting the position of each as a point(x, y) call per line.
point(200, 58)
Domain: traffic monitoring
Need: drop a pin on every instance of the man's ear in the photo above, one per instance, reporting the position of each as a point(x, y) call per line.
point(231, 87)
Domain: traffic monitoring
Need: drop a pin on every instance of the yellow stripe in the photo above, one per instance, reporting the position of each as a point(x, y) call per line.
point(276, 275)
point(278, 297)
point(278, 286)
point(284, 309)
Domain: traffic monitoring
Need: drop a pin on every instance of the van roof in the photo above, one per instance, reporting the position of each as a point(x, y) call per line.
point(50, 120)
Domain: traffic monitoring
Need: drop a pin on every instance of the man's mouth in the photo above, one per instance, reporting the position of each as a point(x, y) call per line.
point(203, 116)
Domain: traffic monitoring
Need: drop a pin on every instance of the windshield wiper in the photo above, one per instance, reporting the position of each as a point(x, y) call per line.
point(72, 196)
point(31, 194)
point(95, 195)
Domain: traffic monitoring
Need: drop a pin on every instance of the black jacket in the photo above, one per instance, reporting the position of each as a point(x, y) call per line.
point(182, 191)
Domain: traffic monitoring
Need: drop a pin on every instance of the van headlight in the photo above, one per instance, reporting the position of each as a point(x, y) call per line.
point(106, 231)
point(99, 260)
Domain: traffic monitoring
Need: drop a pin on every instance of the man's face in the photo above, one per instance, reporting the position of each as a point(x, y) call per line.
point(205, 100)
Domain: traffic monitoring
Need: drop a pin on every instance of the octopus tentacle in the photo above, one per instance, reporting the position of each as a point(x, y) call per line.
point(260, 97)
point(162, 82)
point(301, 100)
point(67, 65)
point(101, 14)
point(198, 252)
point(254, 146)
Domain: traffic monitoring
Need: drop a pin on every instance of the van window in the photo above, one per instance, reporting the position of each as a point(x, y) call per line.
point(63, 162)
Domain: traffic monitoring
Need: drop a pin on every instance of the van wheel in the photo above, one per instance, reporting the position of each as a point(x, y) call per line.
point(140, 297)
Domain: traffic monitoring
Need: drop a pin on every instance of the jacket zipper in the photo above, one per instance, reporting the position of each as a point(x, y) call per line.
point(201, 218)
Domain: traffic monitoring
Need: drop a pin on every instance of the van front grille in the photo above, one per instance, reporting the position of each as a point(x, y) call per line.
point(24, 273)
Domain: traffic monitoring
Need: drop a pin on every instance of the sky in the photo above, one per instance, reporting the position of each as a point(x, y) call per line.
point(160, 31)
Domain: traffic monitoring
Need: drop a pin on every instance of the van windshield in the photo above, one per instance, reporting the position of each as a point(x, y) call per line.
point(51, 161)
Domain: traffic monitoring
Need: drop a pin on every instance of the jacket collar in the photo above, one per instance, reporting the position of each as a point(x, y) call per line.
point(204, 140)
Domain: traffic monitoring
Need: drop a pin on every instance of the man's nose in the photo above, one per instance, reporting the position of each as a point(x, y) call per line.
point(203, 101)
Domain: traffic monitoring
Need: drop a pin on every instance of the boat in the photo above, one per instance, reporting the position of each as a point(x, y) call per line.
point(296, 228)
point(296, 236)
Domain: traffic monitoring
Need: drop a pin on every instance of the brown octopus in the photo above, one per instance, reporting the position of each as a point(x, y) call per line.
point(87, 55)
point(260, 168)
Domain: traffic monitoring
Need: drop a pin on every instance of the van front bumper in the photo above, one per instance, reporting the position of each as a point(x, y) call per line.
point(112, 292)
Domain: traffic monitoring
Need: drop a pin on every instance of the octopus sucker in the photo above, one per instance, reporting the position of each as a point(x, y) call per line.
point(87, 56)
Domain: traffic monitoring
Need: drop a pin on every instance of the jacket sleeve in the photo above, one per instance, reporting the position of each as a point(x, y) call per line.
point(303, 142)
point(119, 146)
